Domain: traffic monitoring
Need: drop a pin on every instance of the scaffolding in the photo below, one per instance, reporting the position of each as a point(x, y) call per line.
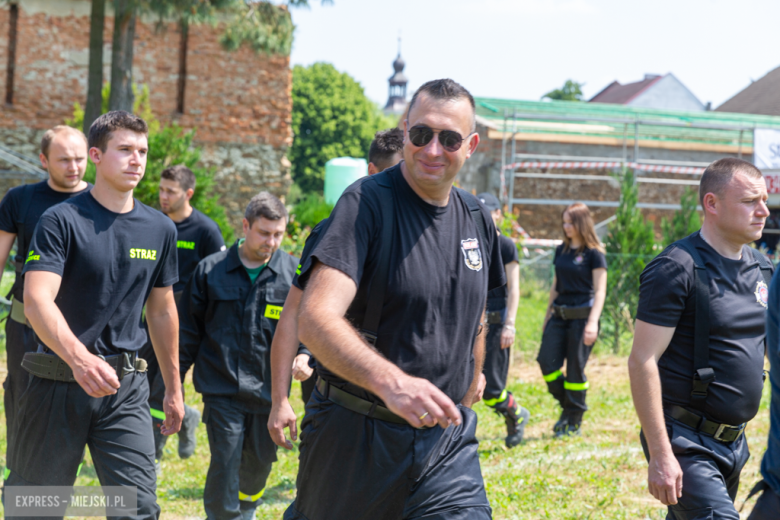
point(650, 131)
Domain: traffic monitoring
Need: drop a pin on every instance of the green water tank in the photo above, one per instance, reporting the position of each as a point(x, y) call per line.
point(340, 173)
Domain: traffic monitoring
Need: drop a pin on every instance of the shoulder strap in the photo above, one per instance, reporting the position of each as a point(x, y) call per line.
point(764, 264)
point(476, 214)
point(21, 240)
point(703, 374)
point(376, 291)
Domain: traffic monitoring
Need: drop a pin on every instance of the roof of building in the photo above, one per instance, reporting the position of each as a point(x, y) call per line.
point(602, 123)
point(760, 97)
point(622, 94)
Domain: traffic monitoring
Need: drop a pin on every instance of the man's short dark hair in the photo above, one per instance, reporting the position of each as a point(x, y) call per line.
point(101, 130)
point(384, 147)
point(718, 175)
point(267, 206)
point(445, 90)
point(180, 174)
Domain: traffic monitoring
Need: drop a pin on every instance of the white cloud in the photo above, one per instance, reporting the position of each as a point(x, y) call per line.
point(537, 7)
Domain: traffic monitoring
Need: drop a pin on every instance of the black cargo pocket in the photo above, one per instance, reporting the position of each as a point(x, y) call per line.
point(274, 303)
point(704, 513)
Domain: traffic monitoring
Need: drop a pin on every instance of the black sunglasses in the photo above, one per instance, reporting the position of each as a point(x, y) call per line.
point(421, 135)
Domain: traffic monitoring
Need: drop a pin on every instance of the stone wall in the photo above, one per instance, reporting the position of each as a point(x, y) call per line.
point(239, 102)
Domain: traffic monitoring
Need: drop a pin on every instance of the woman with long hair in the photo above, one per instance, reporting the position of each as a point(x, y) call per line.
point(571, 325)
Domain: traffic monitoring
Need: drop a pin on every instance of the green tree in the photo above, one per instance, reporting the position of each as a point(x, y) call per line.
point(168, 145)
point(685, 221)
point(630, 244)
point(571, 91)
point(331, 117)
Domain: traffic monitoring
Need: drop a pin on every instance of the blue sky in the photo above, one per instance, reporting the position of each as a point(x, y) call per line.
point(521, 49)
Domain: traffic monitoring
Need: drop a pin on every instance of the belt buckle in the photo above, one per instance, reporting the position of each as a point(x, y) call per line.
point(127, 367)
point(723, 427)
point(562, 311)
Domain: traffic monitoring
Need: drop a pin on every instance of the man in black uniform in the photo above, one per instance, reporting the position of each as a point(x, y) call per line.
point(64, 156)
point(197, 236)
point(408, 260)
point(386, 150)
point(94, 261)
point(229, 311)
point(501, 313)
point(698, 355)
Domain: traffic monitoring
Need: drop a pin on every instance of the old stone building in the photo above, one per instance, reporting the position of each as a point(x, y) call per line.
point(239, 102)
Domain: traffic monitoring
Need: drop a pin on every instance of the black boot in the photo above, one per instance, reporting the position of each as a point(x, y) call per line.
point(187, 440)
point(560, 427)
point(573, 424)
point(516, 418)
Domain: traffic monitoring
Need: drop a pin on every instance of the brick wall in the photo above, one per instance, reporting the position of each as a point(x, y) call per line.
point(239, 102)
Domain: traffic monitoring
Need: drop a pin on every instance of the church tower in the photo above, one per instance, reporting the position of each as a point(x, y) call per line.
point(396, 101)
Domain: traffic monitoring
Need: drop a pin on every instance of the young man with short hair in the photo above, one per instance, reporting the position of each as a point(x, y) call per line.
point(94, 262)
point(64, 156)
point(197, 236)
point(386, 150)
point(229, 313)
point(696, 365)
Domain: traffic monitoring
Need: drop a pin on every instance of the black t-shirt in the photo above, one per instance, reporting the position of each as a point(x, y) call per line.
point(43, 197)
point(574, 275)
point(305, 262)
point(440, 274)
point(109, 263)
point(197, 237)
point(497, 297)
point(737, 328)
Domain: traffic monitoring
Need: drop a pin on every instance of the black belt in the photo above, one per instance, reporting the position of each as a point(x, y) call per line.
point(357, 404)
point(571, 313)
point(50, 366)
point(721, 432)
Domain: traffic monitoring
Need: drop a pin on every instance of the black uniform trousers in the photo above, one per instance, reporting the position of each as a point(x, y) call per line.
point(242, 453)
point(357, 468)
point(496, 365)
point(562, 340)
point(711, 472)
point(307, 387)
point(57, 420)
point(19, 339)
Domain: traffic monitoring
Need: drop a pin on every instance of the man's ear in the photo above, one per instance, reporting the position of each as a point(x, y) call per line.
point(44, 161)
point(189, 193)
point(473, 142)
point(372, 169)
point(95, 154)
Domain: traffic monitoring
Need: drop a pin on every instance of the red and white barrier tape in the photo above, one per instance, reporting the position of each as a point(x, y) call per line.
point(592, 165)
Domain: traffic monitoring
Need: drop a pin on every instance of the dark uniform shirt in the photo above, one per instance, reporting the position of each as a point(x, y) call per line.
point(43, 197)
point(109, 262)
point(738, 299)
point(440, 274)
point(574, 275)
point(497, 297)
point(197, 236)
point(227, 324)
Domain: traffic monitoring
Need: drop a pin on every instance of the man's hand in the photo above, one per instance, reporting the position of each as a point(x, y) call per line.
point(476, 396)
point(282, 416)
point(507, 336)
point(173, 406)
point(95, 376)
point(301, 370)
point(664, 478)
point(591, 333)
point(420, 403)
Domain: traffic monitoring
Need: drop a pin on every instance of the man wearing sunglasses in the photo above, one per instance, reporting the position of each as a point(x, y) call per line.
point(393, 301)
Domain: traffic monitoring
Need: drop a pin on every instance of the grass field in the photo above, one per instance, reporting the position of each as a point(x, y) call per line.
point(600, 475)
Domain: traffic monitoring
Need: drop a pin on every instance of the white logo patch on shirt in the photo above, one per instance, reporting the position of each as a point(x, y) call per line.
point(471, 253)
point(762, 293)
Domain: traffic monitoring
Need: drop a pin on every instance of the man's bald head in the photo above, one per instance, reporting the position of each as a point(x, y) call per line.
point(718, 175)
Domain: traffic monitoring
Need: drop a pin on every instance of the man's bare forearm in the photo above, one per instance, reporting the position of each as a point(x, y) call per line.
point(164, 331)
point(284, 347)
point(646, 391)
point(337, 345)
